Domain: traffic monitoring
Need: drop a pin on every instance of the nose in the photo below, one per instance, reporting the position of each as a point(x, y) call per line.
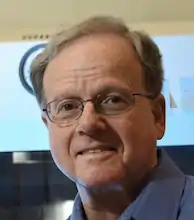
point(90, 121)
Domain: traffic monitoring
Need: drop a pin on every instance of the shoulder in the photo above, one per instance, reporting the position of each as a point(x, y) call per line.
point(187, 201)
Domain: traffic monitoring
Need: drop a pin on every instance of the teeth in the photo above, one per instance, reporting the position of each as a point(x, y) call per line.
point(97, 151)
point(94, 151)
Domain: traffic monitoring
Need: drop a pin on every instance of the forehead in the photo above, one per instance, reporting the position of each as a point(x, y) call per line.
point(93, 61)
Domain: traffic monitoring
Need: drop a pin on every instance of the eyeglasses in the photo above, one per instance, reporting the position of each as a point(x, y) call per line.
point(67, 111)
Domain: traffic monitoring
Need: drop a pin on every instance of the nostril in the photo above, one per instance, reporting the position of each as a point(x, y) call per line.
point(81, 133)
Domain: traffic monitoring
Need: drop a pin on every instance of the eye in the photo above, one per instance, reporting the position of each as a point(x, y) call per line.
point(113, 99)
point(114, 103)
point(67, 106)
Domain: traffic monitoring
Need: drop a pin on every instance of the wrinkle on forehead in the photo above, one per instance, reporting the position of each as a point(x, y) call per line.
point(88, 82)
point(114, 70)
point(89, 68)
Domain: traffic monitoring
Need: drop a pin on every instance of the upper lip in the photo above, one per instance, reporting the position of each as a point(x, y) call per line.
point(98, 147)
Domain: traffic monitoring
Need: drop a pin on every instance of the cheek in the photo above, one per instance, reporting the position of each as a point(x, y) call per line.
point(137, 133)
point(59, 139)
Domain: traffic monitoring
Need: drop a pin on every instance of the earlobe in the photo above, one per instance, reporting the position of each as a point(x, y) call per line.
point(44, 119)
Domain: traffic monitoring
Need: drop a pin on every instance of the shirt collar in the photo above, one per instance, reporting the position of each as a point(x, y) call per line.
point(78, 211)
point(160, 198)
point(162, 195)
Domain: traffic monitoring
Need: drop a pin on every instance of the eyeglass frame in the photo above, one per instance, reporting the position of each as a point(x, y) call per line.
point(93, 100)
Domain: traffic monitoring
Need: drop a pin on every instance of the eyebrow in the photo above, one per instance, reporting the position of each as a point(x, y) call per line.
point(111, 88)
point(65, 96)
point(102, 90)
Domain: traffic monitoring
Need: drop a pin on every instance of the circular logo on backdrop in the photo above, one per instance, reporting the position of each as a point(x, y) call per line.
point(24, 66)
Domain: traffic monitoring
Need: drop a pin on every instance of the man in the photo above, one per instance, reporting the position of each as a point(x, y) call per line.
point(99, 87)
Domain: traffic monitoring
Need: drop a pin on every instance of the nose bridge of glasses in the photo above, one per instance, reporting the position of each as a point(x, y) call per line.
point(92, 101)
point(85, 101)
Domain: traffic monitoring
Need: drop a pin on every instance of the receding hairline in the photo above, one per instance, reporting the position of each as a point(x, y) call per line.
point(79, 40)
point(104, 33)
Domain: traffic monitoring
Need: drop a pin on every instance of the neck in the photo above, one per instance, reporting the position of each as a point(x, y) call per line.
point(103, 203)
point(108, 202)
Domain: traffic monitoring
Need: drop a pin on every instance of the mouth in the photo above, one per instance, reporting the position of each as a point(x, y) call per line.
point(96, 150)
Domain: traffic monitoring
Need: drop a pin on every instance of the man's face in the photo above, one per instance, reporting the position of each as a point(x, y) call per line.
point(100, 149)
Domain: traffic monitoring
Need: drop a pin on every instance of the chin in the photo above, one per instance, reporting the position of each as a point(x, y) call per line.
point(100, 179)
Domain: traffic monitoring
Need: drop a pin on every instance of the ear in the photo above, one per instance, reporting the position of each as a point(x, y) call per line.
point(44, 119)
point(159, 112)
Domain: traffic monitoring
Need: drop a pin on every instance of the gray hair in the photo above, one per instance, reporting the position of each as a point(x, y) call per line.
point(146, 49)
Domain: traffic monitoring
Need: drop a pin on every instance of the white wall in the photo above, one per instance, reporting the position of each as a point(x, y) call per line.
point(153, 28)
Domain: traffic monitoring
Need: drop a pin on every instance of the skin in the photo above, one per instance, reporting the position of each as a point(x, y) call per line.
point(107, 181)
